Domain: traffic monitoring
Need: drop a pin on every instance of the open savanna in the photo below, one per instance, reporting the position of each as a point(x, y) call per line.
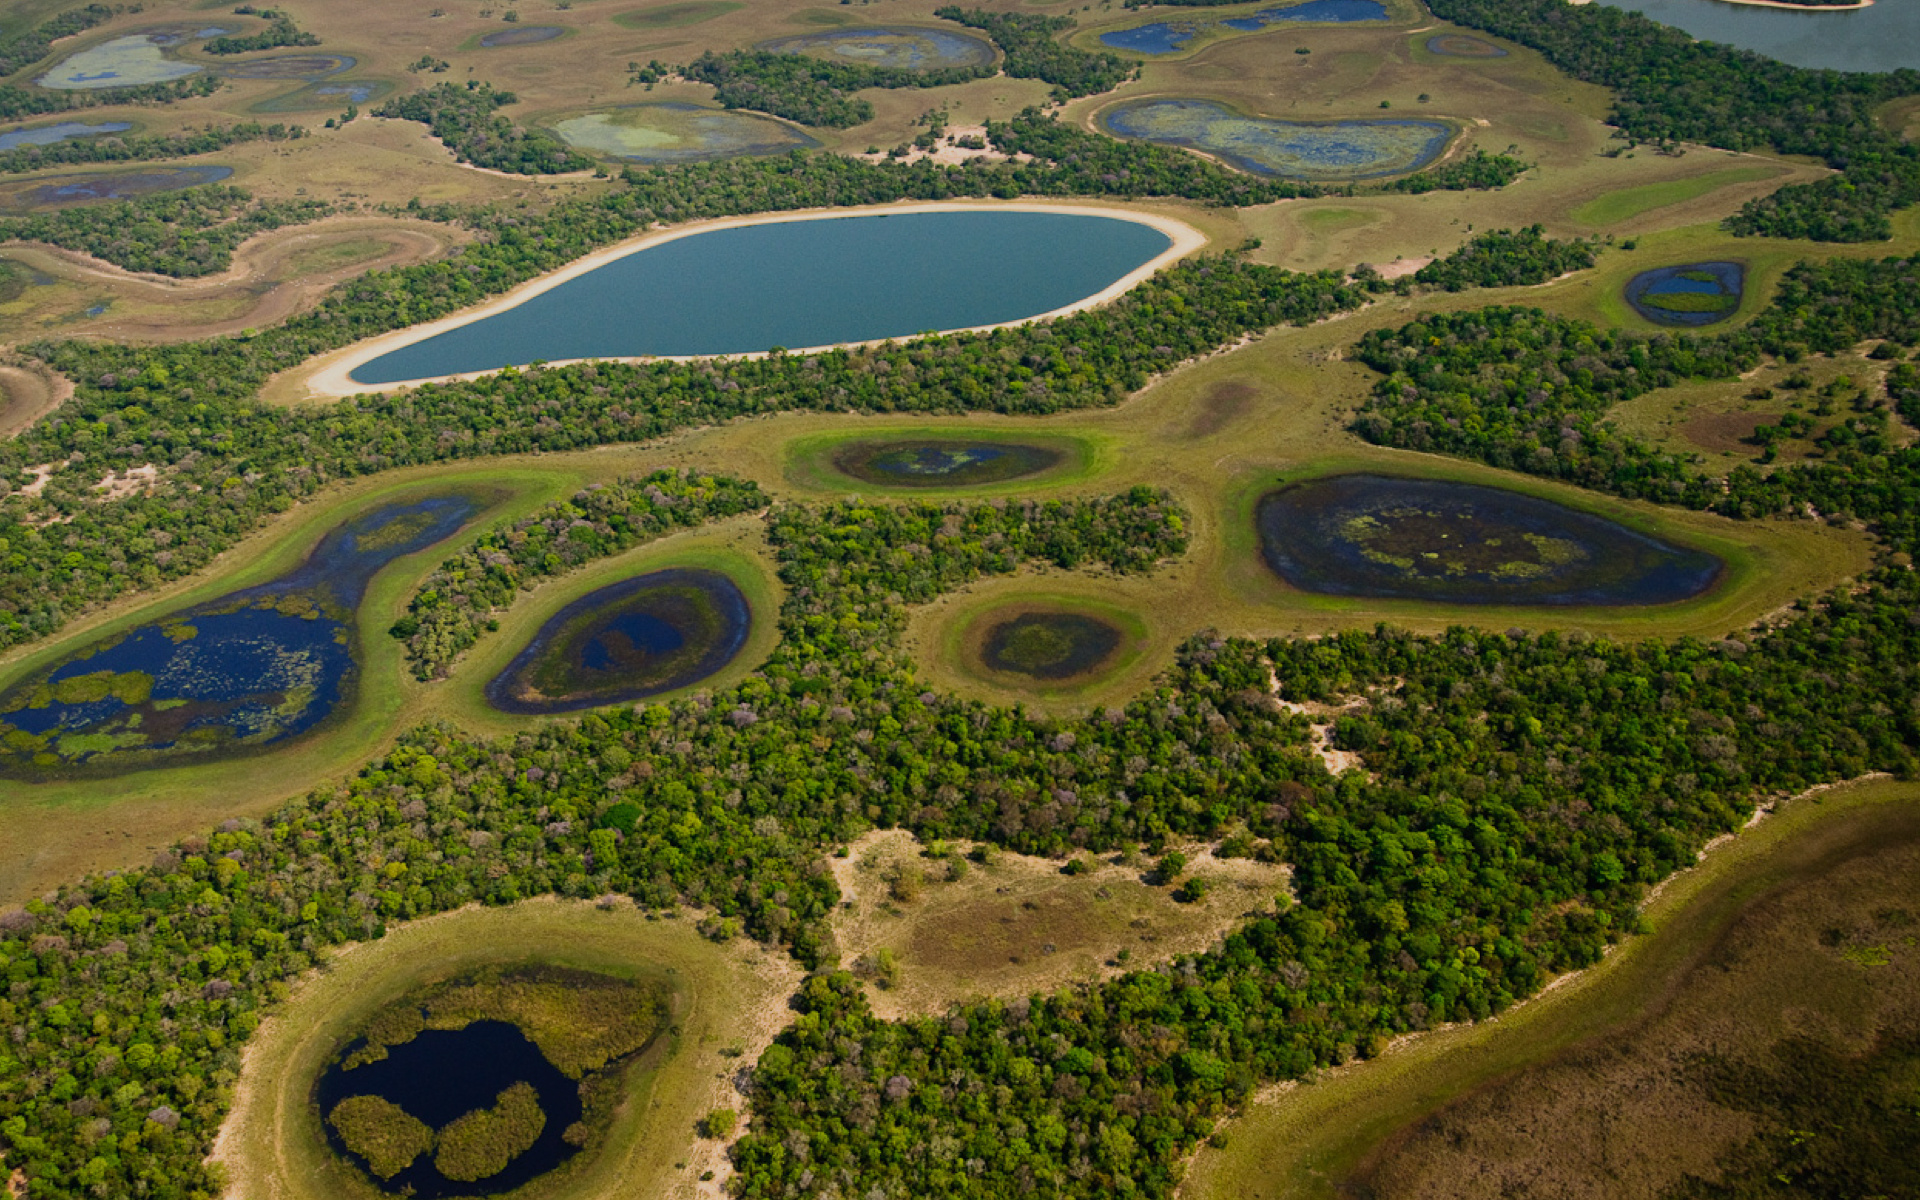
point(1595, 1087)
point(275, 275)
point(1013, 925)
point(727, 1004)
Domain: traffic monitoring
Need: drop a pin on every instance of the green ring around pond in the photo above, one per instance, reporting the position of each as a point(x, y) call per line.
point(1047, 645)
point(943, 461)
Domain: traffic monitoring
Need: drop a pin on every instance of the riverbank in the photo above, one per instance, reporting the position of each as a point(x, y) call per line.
point(331, 376)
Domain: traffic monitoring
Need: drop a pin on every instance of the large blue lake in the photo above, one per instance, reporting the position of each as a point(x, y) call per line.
point(797, 284)
point(1884, 37)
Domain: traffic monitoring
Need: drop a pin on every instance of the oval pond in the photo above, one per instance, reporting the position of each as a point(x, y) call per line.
point(440, 1076)
point(796, 284)
point(1048, 646)
point(231, 676)
point(1316, 150)
point(676, 132)
point(1425, 539)
point(525, 35)
point(633, 639)
point(898, 48)
point(1460, 45)
point(943, 462)
point(53, 135)
point(126, 61)
point(1691, 294)
point(1168, 37)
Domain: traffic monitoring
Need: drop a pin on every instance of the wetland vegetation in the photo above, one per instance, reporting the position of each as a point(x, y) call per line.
point(1692, 294)
point(943, 462)
point(1312, 150)
point(1052, 647)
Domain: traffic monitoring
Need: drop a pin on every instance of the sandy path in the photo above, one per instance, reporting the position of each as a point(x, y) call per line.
point(331, 375)
point(257, 266)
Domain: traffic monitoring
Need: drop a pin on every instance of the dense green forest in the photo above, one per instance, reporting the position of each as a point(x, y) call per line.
point(142, 148)
point(280, 31)
point(1669, 88)
point(29, 46)
point(457, 603)
point(466, 118)
point(18, 103)
point(1474, 170)
point(183, 234)
point(1503, 258)
point(1032, 50)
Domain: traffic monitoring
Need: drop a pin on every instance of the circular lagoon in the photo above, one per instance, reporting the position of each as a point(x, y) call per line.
point(898, 48)
point(53, 135)
point(675, 132)
point(943, 462)
point(327, 96)
point(1052, 647)
point(1692, 294)
point(127, 61)
point(1460, 45)
point(1426, 539)
point(1312, 150)
point(231, 676)
point(527, 35)
point(1169, 37)
point(59, 191)
point(637, 638)
point(792, 282)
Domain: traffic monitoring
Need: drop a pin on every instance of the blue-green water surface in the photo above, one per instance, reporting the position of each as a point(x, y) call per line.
point(795, 284)
point(1884, 37)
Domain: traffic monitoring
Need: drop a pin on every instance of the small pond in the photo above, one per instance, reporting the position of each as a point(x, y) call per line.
point(136, 58)
point(900, 48)
point(525, 35)
point(1168, 37)
point(1692, 294)
point(330, 96)
point(1459, 45)
point(675, 132)
point(636, 638)
point(1050, 646)
point(943, 462)
point(1427, 539)
point(59, 191)
point(230, 676)
point(1314, 150)
point(442, 1075)
point(289, 66)
point(1883, 37)
point(797, 284)
point(65, 131)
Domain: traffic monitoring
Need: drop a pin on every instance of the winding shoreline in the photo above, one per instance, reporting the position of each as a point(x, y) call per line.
point(330, 377)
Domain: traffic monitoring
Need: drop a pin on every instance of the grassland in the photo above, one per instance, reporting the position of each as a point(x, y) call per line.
point(727, 1003)
point(1732, 961)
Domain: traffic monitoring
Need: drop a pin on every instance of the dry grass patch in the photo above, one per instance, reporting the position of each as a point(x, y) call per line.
point(927, 932)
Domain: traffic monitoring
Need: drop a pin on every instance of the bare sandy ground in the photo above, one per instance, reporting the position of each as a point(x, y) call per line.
point(331, 375)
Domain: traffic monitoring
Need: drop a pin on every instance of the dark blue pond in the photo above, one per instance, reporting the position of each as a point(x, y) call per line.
point(943, 462)
point(82, 189)
point(65, 131)
point(1692, 294)
point(440, 1076)
point(637, 638)
point(797, 284)
point(527, 35)
point(1166, 37)
point(1430, 539)
point(248, 670)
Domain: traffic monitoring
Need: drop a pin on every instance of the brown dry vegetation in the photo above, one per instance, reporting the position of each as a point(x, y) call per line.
point(1016, 924)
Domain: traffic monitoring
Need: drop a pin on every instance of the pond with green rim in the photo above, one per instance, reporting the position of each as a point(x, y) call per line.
point(1330, 151)
point(1430, 539)
point(1046, 643)
point(943, 462)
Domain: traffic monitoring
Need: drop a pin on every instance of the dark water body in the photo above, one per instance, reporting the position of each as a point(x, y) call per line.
point(525, 36)
point(235, 675)
point(1167, 37)
point(1459, 45)
point(796, 284)
point(1885, 37)
point(324, 96)
point(943, 462)
point(900, 48)
point(289, 66)
point(63, 190)
point(640, 637)
point(442, 1075)
point(1691, 294)
point(65, 131)
point(1422, 539)
point(1316, 150)
point(1051, 646)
